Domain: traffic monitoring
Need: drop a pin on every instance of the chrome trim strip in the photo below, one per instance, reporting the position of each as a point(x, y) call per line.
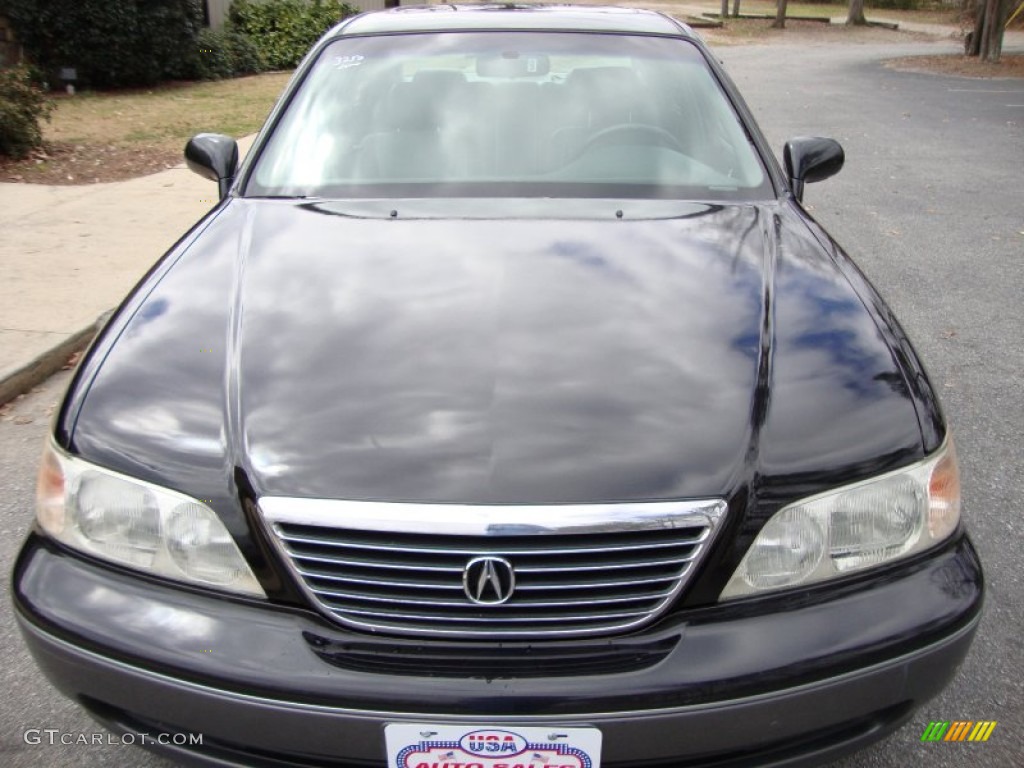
point(462, 605)
point(609, 567)
point(379, 582)
point(475, 551)
point(458, 588)
point(517, 619)
point(362, 564)
point(601, 584)
point(458, 569)
point(492, 519)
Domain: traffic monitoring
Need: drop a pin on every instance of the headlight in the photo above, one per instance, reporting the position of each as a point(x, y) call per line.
point(852, 528)
point(138, 524)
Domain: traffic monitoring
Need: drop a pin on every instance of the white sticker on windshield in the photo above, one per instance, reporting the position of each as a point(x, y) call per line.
point(346, 62)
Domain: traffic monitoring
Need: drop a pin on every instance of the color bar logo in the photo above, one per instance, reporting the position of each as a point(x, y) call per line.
point(959, 730)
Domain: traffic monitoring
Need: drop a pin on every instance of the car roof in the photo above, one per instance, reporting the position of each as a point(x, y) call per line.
point(497, 16)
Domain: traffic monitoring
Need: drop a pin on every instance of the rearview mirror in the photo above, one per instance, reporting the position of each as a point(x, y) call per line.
point(809, 159)
point(511, 64)
point(213, 157)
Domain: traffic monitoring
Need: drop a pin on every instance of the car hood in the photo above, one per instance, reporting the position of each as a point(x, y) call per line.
point(496, 361)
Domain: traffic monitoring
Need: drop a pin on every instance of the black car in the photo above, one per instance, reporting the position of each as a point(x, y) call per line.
point(508, 410)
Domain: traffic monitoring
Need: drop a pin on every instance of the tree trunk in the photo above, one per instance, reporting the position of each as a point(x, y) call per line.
point(736, 8)
point(725, 9)
point(780, 15)
point(986, 40)
point(855, 16)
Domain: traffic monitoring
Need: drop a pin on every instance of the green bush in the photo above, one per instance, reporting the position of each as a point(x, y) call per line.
point(284, 30)
point(22, 106)
point(227, 52)
point(109, 42)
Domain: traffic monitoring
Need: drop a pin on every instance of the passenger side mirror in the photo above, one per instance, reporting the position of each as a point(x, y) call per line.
point(809, 159)
point(215, 157)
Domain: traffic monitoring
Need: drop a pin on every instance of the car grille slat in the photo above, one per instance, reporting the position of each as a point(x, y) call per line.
point(532, 618)
point(364, 564)
point(355, 597)
point(411, 577)
point(605, 566)
point(595, 584)
point(394, 584)
point(530, 587)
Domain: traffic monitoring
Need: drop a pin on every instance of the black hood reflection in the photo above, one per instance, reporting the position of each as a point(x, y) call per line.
point(487, 361)
point(511, 361)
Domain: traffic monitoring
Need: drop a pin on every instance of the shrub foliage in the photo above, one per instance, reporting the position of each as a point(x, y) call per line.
point(285, 29)
point(22, 106)
point(109, 42)
point(227, 52)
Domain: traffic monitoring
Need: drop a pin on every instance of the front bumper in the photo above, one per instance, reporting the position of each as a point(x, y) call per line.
point(737, 685)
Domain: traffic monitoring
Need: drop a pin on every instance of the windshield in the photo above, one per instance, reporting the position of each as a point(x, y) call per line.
point(499, 114)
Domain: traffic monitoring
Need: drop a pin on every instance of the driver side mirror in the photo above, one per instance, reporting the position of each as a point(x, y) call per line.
point(213, 157)
point(809, 159)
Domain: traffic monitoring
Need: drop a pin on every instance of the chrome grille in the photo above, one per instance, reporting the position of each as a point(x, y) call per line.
point(578, 569)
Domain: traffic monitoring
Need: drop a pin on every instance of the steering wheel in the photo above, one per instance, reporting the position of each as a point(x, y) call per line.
point(615, 134)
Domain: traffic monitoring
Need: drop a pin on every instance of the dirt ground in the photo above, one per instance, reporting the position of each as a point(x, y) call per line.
point(760, 32)
point(65, 163)
point(1010, 65)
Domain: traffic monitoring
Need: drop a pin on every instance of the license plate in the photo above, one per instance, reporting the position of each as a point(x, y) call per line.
point(426, 745)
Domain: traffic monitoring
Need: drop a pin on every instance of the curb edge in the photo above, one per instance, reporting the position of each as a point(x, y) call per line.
point(38, 370)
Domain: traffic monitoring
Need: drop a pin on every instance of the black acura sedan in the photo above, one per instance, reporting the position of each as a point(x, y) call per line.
point(508, 411)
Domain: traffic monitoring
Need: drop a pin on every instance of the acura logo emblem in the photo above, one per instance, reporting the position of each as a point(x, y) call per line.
point(488, 580)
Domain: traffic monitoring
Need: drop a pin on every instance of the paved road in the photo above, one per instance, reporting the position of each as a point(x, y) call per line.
point(932, 206)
